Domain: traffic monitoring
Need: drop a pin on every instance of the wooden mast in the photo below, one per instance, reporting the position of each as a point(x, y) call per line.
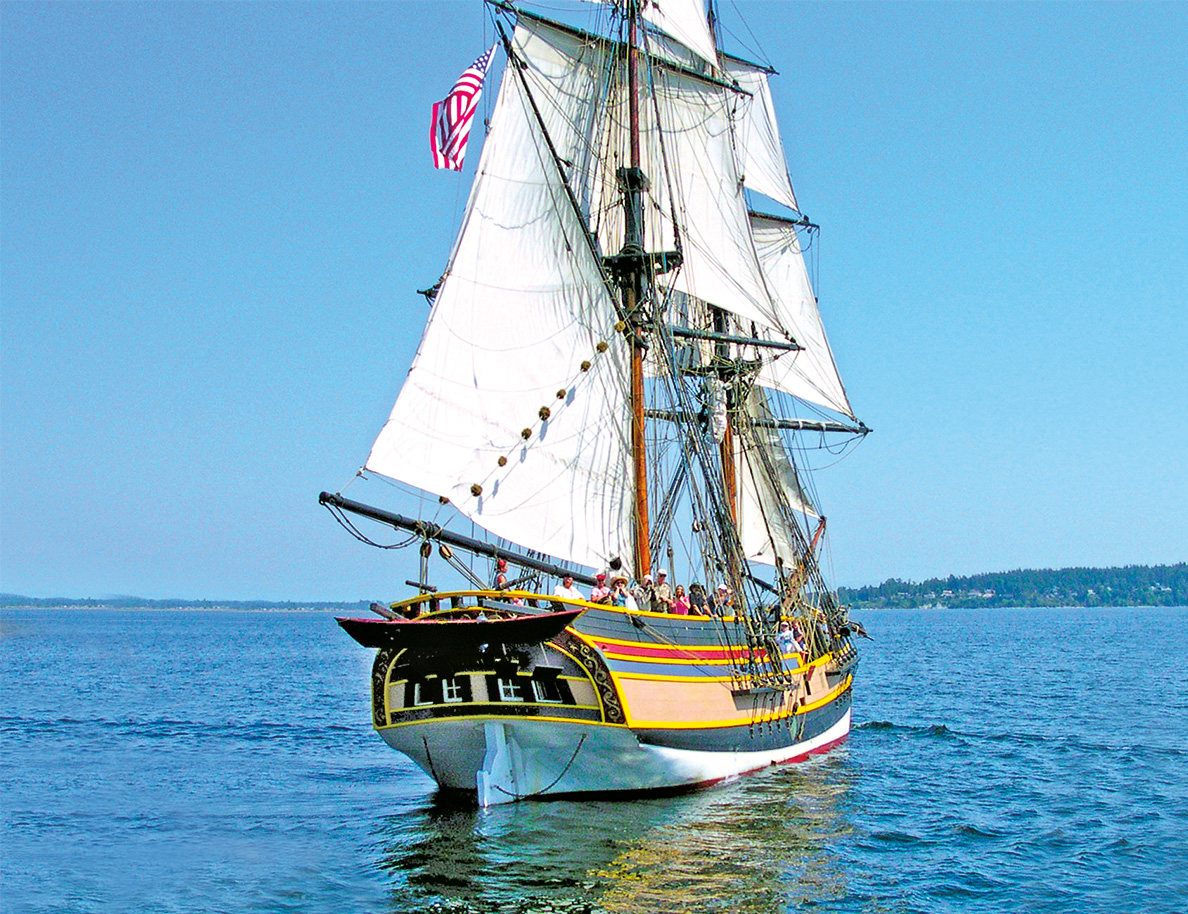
point(633, 182)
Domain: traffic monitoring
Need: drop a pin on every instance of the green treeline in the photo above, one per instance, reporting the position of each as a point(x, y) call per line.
point(1132, 585)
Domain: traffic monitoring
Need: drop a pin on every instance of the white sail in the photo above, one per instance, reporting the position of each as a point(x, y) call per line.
point(762, 154)
point(521, 308)
point(810, 374)
point(767, 488)
point(687, 152)
point(684, 20)
point(721, 265)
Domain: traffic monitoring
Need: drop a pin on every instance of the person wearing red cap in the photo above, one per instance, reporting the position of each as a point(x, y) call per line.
point(600, 593)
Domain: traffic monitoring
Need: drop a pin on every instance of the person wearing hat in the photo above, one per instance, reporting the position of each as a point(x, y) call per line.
point(788, 640)
point(723, 601)
point(662, 593)
point(600, 593)
point(621, 596)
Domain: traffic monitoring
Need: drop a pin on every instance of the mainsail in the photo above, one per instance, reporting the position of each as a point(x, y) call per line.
point(769, 489)
point(515, 330)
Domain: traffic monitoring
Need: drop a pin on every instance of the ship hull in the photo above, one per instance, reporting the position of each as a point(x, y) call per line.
point(616, 703)
point(504, 760)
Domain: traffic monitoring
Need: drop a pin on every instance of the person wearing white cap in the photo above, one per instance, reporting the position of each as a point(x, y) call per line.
point(723, 601)
point(662, 593)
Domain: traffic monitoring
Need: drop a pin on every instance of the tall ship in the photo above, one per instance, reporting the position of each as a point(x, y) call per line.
point(612, 414)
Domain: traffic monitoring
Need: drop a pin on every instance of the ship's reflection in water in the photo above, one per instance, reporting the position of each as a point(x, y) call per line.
point(761, 844)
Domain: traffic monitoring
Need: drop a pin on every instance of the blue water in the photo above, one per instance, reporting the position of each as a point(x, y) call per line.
point(1011, 760)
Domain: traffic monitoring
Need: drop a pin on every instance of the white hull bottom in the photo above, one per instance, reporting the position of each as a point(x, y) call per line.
point(507, 760)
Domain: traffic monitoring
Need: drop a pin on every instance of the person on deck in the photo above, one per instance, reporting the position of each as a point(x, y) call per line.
point(680, 602)
point(600, 592)
point(697, 600)
point(643, 593)
point(662, 593)
point(621, 596)
point(566, 589)
point(787, 640)
point(723, 601)
point(500, 582)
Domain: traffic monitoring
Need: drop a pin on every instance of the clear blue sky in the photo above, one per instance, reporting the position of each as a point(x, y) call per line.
point(215, 216)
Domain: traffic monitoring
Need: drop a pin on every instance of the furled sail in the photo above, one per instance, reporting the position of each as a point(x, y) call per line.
point(767, 487)
point(810, 374)
point(512, 344)
point(761, 152)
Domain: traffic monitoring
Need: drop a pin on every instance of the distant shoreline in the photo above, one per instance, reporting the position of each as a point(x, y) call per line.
point(115, 607)
point(17, 601)
point(1072, 588)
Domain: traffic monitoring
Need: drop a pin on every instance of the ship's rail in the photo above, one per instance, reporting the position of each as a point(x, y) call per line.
point(426, 604)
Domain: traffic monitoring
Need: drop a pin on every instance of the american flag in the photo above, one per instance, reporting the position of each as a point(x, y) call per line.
point(452, 115)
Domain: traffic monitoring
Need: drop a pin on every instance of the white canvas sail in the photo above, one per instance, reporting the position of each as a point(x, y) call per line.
point(684, 20)
point(522, 307)
point(761, 153)
point(767, 488)
point(687, 153)
point(810, 374)
point(701, 189)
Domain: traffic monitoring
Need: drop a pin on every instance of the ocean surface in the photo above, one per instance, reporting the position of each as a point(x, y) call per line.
point(1029, 760)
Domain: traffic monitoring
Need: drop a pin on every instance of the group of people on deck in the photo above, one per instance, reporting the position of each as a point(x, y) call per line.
point(657, 595)
point(652, 595)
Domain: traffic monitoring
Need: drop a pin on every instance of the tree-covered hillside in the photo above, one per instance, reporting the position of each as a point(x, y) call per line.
point(1133, 585)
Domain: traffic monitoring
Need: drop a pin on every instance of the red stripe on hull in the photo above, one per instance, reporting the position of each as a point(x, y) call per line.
point(679, 653)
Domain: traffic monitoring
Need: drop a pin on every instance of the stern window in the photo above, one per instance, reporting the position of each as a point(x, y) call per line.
point(546, 690)
point(422, 694)
point(509, 691)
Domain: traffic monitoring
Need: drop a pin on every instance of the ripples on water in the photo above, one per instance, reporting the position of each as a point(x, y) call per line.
point(1018, 760)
